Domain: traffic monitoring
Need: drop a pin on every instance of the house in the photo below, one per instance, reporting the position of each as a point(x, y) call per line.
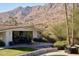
point(17, 34)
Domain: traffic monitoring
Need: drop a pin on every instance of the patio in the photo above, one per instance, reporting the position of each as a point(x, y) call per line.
point(36, 45)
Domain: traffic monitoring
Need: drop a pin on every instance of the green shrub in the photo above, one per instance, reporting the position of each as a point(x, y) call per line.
point(60, 44)
point(2, 43)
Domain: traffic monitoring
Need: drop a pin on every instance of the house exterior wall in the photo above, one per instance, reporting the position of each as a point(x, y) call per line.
point(7, 37)
point(35, 34)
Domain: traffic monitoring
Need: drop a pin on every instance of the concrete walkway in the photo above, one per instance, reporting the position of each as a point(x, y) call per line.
point(59, 53)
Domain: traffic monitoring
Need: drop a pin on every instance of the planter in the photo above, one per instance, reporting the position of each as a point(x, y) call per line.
point(72, 50)
point(77, 48)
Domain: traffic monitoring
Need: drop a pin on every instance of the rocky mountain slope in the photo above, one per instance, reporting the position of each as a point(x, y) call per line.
point(19, 12)
point(48, 13)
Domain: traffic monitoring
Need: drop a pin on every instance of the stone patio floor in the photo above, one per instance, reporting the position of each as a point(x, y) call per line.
point(36, 45)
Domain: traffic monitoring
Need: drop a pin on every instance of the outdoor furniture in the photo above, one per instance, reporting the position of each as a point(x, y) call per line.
point(77, 48)
point(72, 50)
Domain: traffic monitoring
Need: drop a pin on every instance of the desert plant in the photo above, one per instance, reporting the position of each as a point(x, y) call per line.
point(60, 44)
point(2, 43)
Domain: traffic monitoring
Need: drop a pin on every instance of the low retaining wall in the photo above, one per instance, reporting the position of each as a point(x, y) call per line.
point(40, 51)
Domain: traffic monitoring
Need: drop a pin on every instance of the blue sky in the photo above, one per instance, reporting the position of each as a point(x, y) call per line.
point(9, 6)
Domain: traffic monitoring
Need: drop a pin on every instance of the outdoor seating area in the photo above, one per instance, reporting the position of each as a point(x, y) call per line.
point(36, 45)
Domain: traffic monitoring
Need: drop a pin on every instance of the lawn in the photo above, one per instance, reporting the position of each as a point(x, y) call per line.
point(14, 51)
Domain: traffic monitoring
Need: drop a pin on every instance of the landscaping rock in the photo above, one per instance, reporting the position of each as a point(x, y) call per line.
point(40, 51)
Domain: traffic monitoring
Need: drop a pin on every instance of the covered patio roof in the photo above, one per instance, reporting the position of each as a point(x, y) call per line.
point(7, 27)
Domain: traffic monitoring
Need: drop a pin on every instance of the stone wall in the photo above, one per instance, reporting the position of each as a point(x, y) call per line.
point(40, 51)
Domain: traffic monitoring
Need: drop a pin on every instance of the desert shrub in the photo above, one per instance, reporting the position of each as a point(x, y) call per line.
point(2, 43)
point(49, 36)
point(60, 44)
point(58, 32)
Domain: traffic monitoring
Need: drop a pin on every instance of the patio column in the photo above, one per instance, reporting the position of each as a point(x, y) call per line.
point(35, 35)
point(8, 37)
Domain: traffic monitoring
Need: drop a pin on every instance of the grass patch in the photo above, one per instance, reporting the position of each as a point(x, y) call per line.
point(14, 51)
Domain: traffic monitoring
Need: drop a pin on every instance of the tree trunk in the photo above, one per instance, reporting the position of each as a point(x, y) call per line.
point(67, 25)
point(73, 24)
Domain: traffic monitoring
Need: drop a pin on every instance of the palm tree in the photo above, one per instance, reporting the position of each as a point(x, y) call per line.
point(70, 42)
point(72, 39)
point(67, 25)
point(73, 18)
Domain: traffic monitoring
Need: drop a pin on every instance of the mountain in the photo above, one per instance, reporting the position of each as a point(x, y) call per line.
point(52, 13)
point(18, 12)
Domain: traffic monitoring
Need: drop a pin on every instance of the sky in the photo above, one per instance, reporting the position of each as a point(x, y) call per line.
point(9, 6)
